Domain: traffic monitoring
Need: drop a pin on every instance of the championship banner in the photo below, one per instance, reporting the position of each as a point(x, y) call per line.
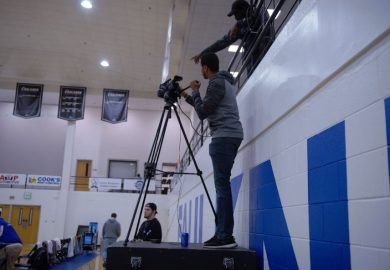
point(72, 103)
point(28, 100)
point(43, 181)
point(12, 180)
point(136, 184)
point(104, 184)
point(114, 107)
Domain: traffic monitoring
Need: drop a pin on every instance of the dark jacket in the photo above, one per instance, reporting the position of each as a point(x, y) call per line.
point(150, 229)
point(253, 25)
point(219, 106)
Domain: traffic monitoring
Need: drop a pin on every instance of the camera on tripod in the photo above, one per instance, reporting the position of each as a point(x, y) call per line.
point(170, 90)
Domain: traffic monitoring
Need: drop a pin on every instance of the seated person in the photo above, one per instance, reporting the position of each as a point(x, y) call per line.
point(10, 244)
point(151, 228)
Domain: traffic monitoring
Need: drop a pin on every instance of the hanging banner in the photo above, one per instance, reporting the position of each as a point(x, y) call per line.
point(12, 180)
point(104, 184)
point(43, 181)
point(72, 103)
point(28, 100)
point(114, 107)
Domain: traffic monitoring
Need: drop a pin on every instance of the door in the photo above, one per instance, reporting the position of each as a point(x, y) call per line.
point(5, 212)
point(25, 220)
point(83, 172)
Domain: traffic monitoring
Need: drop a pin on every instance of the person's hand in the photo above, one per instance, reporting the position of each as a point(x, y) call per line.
point(196, 58)
point(195, 85)
point(184, 94)
point(233, 33)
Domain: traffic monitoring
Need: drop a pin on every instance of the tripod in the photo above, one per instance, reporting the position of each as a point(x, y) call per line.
point(151, 164)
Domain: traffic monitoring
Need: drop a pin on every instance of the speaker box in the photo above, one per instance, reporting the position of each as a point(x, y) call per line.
point(153, 256)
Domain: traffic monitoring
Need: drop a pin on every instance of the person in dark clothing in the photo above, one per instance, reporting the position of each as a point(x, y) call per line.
point(219, 106)
point(247, 21)
point(111, 232)
point(150, 229)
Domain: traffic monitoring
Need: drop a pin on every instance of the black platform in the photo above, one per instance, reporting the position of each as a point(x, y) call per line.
point(151, 256)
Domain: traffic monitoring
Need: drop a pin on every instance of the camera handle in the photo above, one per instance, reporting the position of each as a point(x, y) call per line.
point(151, 164)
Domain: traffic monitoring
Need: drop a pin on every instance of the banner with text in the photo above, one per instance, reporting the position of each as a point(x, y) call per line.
point(72, 103)
point(114, 106)
point(28, 100)
point(104, 184)
point(12, 180)
point(136, 184)
point(43, 181)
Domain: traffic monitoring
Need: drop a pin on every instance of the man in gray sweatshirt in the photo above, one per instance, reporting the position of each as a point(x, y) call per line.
point(111, 232)
point(219, 106)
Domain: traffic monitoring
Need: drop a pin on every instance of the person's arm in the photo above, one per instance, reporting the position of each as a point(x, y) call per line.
point(140, 234)
point(118, 231)
point(220, 44)
point(214, 94)
point(156, 230)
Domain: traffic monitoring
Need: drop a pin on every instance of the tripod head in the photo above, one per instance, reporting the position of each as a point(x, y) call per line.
point(170, 90)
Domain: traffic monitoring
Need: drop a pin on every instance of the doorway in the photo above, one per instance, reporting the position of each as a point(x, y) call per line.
point(83, 172)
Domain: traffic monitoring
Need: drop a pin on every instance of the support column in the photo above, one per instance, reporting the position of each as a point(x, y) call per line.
point(66, 170)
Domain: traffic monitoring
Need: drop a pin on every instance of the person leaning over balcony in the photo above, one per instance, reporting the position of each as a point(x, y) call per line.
point(10, 244)
point(246, 22)
point(219, 106)
point(111, 232)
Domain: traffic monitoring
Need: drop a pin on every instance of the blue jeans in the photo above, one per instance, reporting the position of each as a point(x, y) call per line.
point(106, 243)
point(223, 151)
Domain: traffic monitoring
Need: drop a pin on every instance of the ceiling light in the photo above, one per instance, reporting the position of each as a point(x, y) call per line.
point(86, 4)
point(234, 48)
point(270, 11)
point(104, 63)
point(234, 73)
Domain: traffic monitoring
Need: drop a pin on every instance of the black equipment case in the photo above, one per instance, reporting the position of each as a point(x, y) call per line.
point(153, 256)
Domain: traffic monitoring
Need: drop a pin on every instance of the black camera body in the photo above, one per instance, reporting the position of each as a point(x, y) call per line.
point(170, 90)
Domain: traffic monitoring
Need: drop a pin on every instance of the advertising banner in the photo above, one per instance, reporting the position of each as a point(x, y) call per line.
point(136, 184)
point(43, 181)
point(114, 106)
point(104, 184)
point(12, 180)
point(72, 103)
point(28, 100)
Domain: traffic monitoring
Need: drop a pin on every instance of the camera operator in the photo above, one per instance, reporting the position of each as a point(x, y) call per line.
point(219, 106)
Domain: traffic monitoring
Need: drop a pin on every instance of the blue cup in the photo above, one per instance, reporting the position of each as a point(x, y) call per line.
point(184, 239)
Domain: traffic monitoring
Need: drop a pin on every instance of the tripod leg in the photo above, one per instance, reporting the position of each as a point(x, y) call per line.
point(152, 153)
point(198, 171)
point(154, 161)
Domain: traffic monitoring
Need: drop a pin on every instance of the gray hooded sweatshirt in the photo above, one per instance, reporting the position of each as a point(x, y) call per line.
point(219, 106)
point(111, 229)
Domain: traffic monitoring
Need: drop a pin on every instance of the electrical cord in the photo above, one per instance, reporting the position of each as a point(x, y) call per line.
point(207, 136)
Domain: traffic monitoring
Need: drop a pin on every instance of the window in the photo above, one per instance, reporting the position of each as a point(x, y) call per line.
point(122, 169)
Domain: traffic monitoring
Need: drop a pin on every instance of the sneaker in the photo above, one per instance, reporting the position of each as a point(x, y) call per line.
point(228, 242)
point(211, 239)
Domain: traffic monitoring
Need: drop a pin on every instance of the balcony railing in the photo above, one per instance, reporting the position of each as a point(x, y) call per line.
point(265, 21)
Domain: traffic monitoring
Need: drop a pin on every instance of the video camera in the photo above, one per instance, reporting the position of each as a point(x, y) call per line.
point(170, 90)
